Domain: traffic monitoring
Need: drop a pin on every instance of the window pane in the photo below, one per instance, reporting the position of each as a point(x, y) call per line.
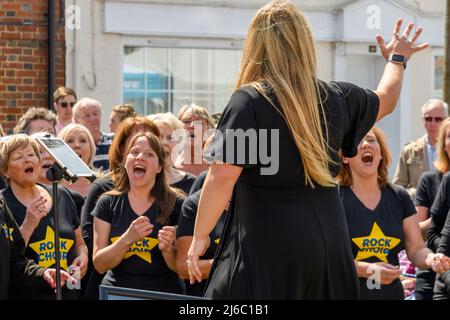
point(136, 98)
point(439, 72)
point(156, 68)
point(202, 70)
point(181, 68)
point(157, 102)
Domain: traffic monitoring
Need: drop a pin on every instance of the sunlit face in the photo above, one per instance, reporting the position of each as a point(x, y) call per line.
point(166, 138)
point(23, 166)
point(40, 125)
point(90, 117)
point(142, 164)
point(114, 121)
point(63, 107)
point(191, 121)
point(432, 119)
point(78, 140)
point(368, 158)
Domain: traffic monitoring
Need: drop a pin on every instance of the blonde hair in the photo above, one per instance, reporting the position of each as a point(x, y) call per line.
point(279, 50)
point(345, 175)
point(197, 111)
point(442, 162)
point(166, 118)
point(72, 126)
point(124, 111)
point(13, 143)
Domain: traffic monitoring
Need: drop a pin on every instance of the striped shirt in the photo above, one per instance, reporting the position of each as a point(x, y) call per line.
point(101, 159)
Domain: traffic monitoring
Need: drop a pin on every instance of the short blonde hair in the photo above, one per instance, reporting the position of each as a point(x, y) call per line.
point(167, 118)
point(64, 133)
point(197, 111)
point(442, 162)
point(13, 143)
point(345, 175)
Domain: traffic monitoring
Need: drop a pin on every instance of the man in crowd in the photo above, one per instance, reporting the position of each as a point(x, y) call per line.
point(88, 112)
point(418, 156)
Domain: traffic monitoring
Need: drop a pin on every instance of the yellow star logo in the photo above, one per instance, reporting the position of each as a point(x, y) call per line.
point(376, 244)
point(46, 249)
point(8, 232)
point(217, 240)
point(141, 248)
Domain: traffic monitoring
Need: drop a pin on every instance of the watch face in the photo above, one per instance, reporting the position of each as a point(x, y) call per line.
point(398, 58)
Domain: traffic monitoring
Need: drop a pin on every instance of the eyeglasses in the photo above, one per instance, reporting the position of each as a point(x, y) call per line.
point(65, 104)
point(436, 119)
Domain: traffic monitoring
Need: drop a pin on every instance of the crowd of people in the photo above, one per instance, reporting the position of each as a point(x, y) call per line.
point(175, 209)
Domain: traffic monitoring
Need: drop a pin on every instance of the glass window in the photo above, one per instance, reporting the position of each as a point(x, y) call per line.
point(164, 79)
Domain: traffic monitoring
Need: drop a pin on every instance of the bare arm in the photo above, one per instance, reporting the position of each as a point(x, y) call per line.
point(415, 247)
point(183, 244)
point(216, 193)
point(81, 251)
point(390, 85)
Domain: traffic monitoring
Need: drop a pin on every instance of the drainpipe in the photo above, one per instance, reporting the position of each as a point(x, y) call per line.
point(51, 53)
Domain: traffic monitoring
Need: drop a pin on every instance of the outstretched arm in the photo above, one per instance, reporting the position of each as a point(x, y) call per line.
point(390, 85)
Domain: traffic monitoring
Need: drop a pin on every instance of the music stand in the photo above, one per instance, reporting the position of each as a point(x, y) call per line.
point(69, 166)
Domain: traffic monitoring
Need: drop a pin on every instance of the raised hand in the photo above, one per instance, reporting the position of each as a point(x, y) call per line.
point(139, 229)
point(401, 44)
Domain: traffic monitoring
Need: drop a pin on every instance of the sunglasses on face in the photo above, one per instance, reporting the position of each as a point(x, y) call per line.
point(436, 119)
point(65, 104)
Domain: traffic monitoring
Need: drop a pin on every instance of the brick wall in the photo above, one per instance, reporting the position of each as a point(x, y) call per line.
point(24, 57)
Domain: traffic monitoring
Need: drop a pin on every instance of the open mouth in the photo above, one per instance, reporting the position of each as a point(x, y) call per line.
point(46, 166)
point(139, 170)
point(367, 158)
point(29, 169)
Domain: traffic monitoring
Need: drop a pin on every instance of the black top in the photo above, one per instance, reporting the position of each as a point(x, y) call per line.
point(78, 199)
point(185, 228)
point(438, 213)
point(98, 187)
point(377, 235)
point(427, 188)
point(185, 184)
point(40, 247)
point(275, 206)
point(3, 183)
point(143, 267)
point(198, 183)
point(17, 273)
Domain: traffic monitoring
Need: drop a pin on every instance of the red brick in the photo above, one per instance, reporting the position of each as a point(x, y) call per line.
point(11, 35)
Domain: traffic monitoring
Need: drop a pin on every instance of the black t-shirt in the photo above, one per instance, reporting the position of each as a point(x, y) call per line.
point(143, 267)
point(377, 235)
point(427, 188)
point(98, 187)
point(3, 183)
point(438, 213)
point(40, 247)
point(198, 183)
point(185, 184)
point(18, 275)
point(185, 228)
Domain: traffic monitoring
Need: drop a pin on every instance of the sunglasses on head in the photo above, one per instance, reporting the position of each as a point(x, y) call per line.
point(436, 119)
point(65, 104)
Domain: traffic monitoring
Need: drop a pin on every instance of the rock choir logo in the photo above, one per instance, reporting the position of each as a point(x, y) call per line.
point(142, 248)
point(45, 249)
point(8, 232)
point(376, 244)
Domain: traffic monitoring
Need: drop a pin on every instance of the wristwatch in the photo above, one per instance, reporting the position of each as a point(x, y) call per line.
point(397, 59)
